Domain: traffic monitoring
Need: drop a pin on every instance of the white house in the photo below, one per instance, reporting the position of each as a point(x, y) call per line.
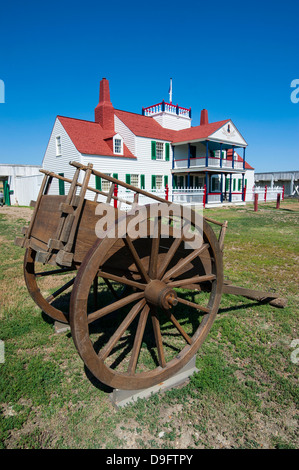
point(151, 150)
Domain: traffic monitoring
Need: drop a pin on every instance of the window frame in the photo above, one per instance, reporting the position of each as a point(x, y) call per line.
point(58, 146)
point(118, 137)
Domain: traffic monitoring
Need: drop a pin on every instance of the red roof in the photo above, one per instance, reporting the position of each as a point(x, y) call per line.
point(89, 137)
point(198, 132)
point(144, 126)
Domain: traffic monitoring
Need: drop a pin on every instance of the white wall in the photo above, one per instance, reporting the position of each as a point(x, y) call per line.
point(126, 133)
point(60, 164)
point(173, 121)
point(12, 172)
point(27, 189)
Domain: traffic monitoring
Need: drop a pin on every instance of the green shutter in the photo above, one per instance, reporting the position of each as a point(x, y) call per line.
point(167, 151)
point(142, 181)
point(165, 180)
point(153, 181)
point(153, 150)
point(227, 184)
point(175, 181)
point(128, 179)
point(98, 183)
point(246, 183)
point(61, 185)
point(239, 184)
point(115, 175)
point(234, 185)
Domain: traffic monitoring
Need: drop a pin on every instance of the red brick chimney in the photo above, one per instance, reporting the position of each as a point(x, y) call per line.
point(104, 112)
point(204, 117)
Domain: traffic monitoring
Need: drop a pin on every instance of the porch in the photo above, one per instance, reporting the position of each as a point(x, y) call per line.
point(219, 188)
point(207, 155)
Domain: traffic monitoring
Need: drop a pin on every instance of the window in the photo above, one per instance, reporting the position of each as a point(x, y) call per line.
point(58, 146)
point(135, 180)
point(215, 184)
point(106, 184)
point(159, 150)
point(159, 181)
point(117, 146)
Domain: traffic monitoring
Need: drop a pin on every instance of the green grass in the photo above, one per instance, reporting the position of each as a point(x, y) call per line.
point(245, 394)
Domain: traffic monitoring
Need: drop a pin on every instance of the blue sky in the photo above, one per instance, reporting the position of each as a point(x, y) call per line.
point(236, 59)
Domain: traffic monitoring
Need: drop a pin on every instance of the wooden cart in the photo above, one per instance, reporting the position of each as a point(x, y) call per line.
point(127, 299)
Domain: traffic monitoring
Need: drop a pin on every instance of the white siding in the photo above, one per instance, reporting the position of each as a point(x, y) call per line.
point(126, 133)
point(143, 165)
point(173, 121)
point(60, 164)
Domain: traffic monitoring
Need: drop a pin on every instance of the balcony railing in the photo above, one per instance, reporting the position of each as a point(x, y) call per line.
point(167, 107)
point(213, 162)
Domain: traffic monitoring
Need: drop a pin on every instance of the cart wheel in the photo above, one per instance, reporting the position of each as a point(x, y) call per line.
point(40, 278)
point(158, 328)
point(37, 278)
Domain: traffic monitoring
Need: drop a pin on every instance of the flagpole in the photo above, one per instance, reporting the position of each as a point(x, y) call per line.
point(170, 91)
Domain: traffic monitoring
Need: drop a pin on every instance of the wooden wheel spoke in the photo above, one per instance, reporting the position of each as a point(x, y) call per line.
point(121, 280)
point(158, 337)
point(193, 305)
point(180, 329)
point(114, 306)
point(171, 252)
point(138, 339)
point(175, 270)
point(153, 264)
point(192, 280)
point(137, 259)
point(104, 353)
point(60, 290)
point(52, 272)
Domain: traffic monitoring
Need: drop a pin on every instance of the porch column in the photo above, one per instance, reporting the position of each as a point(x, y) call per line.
point(207, 186)
point(207, 153)
point(188, 181)
point(221, 187)
point(243, 158)
point(173, 157)
point(221, 155)
point(233, 157)
point(243, 180)
point(230, 186)
point(189, 155)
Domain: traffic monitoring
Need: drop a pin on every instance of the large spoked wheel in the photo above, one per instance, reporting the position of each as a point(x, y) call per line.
point(153, 331)
point(49, 286)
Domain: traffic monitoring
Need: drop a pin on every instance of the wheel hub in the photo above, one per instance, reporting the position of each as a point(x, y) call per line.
point(157, 293)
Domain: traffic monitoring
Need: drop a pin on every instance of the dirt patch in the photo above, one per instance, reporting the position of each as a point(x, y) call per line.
point(15, 212)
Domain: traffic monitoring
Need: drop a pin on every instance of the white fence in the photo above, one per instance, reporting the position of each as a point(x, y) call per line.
point(183, 196)
point(264, 194)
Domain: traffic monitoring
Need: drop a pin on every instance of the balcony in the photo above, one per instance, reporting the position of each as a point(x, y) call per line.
point(168, 108)
point(213, 162)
